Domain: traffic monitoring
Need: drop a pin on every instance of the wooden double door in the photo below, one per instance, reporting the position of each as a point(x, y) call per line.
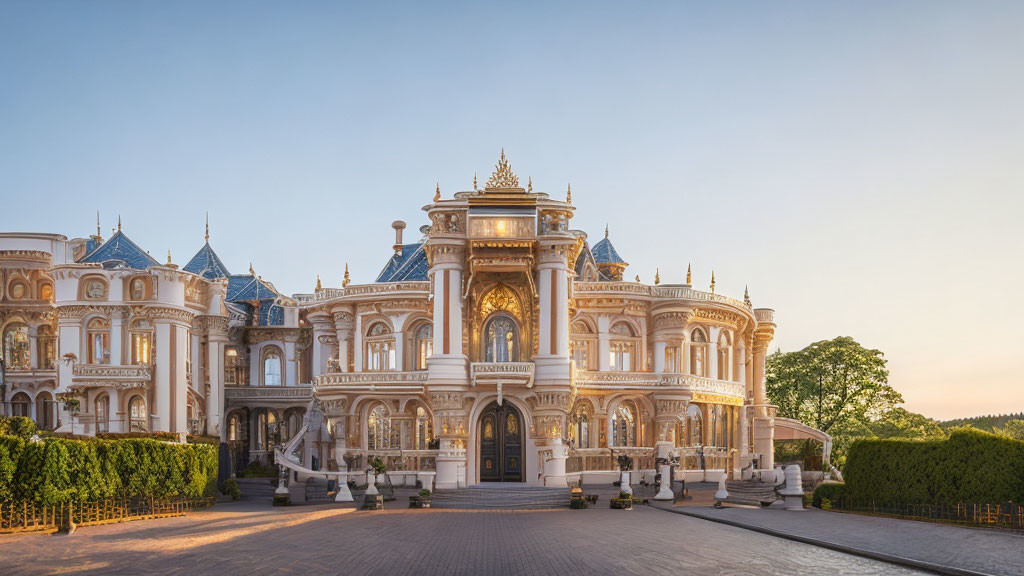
point(501, 444)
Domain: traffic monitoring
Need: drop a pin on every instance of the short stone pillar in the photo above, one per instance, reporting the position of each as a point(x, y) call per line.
point(624, 481)
point(722, 492)
point(793, 493)
point(281, 476)
point(665, 488)
point(427, 481)
point(554, 464)
point(371, 484)
point(343, 494)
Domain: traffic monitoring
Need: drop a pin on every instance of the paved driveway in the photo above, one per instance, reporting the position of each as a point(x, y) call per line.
point(253, 538)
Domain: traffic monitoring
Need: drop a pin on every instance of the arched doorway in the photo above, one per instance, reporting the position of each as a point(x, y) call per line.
point(501, 444)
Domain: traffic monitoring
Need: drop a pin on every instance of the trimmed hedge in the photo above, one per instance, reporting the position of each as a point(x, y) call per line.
point(59, 470)
point(831, 491)
point(970, 466)
point(17, 426)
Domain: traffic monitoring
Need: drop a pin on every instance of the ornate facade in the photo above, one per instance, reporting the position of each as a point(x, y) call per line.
point(500, 346)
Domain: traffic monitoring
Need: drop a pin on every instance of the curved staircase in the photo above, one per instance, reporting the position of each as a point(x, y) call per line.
point(501, 496)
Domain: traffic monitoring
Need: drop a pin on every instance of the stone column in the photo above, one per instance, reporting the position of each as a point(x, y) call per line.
point(117, 338)
point(322, 333)
point(33, 346)
point(452, 427)
point(217, 330)
point(344, 325)
point(168, 412)
point(448, 363)
point(553, 315)
point(290, 374)
point(357, 345)
point(712, 359)
point(659, 356)
point(603, 348)
point(764, 421)
point(115, 416)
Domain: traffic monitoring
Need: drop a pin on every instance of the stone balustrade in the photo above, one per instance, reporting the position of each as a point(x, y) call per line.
point(363, 379)
point(268, 392)
point(697, 384)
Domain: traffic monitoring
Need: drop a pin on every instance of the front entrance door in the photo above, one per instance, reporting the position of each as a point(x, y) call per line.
point(501, 444)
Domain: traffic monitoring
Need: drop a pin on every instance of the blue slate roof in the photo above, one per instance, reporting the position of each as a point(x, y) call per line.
point(271, 314)
point(246, 287)
point(207, 264)
point(411, 265)
point(604, 253)
point(121, 251)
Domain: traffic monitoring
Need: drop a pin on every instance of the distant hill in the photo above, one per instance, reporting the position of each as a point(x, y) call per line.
point(986, 423)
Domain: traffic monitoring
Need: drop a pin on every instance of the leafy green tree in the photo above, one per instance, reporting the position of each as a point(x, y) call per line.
point(901, 423)
point(1012, 429)
point(830, 383)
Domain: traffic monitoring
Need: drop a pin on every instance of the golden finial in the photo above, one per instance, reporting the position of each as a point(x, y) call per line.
point(251, 272)
point(529, 183)
point(207, 226)
point(638, 278)
point(568, 194)
point(437, 192)
point(657, 276)
point(746, 296)
point(118, 222)
point(712, 281)
point(606, 231)
point(502, 177)
point(97, 223)
point(474, 180)
point(319, 286)
point(168, 257)
point(345, 281)
point(689, 274)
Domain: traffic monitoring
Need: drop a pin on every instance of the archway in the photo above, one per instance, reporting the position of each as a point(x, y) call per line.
point(501, 444)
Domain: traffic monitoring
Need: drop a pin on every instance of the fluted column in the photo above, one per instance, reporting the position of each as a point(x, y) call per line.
point(344, 326)
point(216, 403)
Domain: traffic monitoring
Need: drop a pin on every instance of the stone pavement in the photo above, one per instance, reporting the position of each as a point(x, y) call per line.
point(938, 547)
point(251, 537)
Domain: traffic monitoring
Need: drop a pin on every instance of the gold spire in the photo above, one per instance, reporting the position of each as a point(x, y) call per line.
point(437, 192)
point(97, 223)
point(529, 184)
point(638, 278)
point(319, 286)
point(346, 280)
point(657, 275)
point(502, 177)
point(568, 194)
point(606, 231)
point(712, 281)
point(474, 180)
point(746, 296)
point(118, 222)
point(207, 226)
point(689, 274)
point(168, 257)
point(251, 273)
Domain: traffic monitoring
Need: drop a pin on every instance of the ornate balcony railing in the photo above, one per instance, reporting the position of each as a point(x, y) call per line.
point(510, 372)
point(665, 292)
point(695, 384)
point(605, 459)
point(363, 290)
point(394, 460)
point(111, 374)
point(268, 392)
point(364, 379)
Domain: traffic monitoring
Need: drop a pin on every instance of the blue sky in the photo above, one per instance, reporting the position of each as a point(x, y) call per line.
point(858, 165)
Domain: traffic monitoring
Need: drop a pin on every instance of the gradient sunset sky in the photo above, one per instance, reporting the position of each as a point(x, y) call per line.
point(859, 166)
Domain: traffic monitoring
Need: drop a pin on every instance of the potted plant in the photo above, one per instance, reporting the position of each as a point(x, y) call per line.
point(623, 502)
point(420, 500)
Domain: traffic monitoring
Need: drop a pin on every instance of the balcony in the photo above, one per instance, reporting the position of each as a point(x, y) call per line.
point(117, 376)
point(289, 393)
point(502, 373)
point(703, 389)
point(370, 380)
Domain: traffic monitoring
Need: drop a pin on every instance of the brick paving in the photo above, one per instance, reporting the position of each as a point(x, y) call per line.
point(254, 538)
point(971, 550)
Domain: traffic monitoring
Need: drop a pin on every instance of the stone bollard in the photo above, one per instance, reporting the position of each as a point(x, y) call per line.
point(793, 493)
point(722, 493)
point(665, 489)
point(624, 481)
point(371, 484)
point(343, 494)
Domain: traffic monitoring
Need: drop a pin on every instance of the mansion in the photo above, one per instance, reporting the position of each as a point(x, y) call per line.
point(498, 345)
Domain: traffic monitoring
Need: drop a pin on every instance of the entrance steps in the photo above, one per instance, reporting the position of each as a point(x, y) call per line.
point(501, 496)
point(750, 492)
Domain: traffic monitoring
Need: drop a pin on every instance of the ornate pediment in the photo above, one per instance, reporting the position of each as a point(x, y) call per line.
point(503, 178)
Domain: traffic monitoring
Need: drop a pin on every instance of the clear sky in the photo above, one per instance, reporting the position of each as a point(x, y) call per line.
point(859, 165)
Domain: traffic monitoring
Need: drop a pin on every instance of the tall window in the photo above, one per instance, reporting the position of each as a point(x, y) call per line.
point(622, 348)
point(379, 433)
point(45, 411)
point(21, 405)
point(291, 424)
point(423, 344)
point(17, 352)
point(501, 339)
point(380, 348)
point(579, 429)
point(272, 368)
point(141, 342)
point(47, 344)
point(267, 433)
point(102, 405)
point(624, 425)
point(672, 359)
point(422, 429)
point(723, 356)
point(698, 353)
point(582, 345)
point(234, 427)
point(98, 335)
point(137, 420)
point(694, 426)
point(234, 368)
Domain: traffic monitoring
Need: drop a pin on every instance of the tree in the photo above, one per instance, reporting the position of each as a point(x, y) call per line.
point(831, 383)
point(901, 423)
point(1012, 429)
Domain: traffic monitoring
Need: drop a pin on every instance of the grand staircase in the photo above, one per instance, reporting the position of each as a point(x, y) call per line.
point(750, 492)
point(501, 496)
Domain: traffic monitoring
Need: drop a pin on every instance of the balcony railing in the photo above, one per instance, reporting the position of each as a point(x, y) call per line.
point(606, 459)
point(661, 292)
point(363, 379)
point(698, 384)
point(394, 460)
point(111, 374)
point(505, 372)
point(268, 392)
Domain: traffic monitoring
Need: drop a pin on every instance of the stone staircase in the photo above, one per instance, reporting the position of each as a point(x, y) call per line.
point(257, 488)
point(501, 496)
point(750, 492)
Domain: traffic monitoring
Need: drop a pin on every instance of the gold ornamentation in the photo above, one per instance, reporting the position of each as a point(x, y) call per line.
point(712, 281)
point(657, 275)
point(437, 192)
point(568, 194)
point(689, 274)
point(346, 280)
point(500, 298)
point(503, 177)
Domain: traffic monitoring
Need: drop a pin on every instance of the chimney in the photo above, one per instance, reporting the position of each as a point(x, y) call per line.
point(398, 225)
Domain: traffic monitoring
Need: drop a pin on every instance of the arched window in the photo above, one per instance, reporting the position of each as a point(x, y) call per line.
point(622, 347)
point(17, 351)
point(624, 421)
point(422, 429)
point(102, 405)
point(380, 348)
point(579, 428)
point(234, 368)
point(291, 424)
point(698, 352)
point(379, 433)
point(694, 426)
point(141, 332)
point(21, 405)
point(423, 344)
point(47, 344)
point(723, 356)
point(272, 367)
point(583, 346)
point(501, 334)
point(234, 427)
point(137, 418)
point(98, 341)
point(45, 411)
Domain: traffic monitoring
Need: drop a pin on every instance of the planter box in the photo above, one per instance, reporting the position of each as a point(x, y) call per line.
point(419, 502)
point(621, 503)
